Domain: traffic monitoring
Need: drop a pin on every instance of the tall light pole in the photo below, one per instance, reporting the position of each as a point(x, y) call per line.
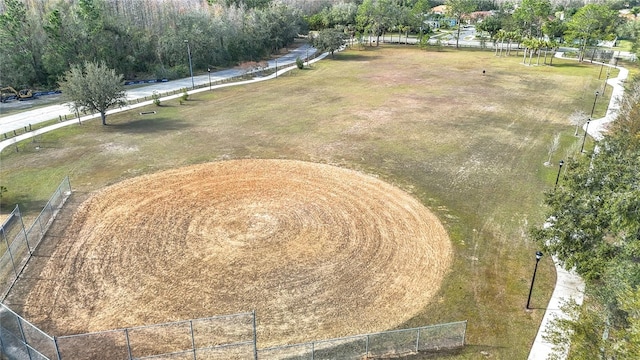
point(559, 169)
point(209, 71)
point(604, 87)
point(584, 137)
point(193, 85)
point(601, 66)
point(594, 104)
point(538, 257)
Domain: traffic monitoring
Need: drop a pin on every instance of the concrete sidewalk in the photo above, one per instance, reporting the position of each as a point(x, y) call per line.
point(568, 284)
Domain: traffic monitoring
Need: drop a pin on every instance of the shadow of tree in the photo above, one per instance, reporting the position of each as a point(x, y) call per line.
point(147, 124)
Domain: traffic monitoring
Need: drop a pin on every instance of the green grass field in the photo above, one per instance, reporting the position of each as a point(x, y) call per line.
point(470, 146)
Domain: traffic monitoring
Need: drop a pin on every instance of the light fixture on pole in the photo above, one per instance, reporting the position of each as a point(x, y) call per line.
point(209, 71)
point(559, 169)
point(193, 85)
point(533, 279)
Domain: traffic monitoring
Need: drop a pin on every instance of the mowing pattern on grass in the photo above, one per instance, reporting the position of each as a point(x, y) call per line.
point(317, 250)
point(469, 146)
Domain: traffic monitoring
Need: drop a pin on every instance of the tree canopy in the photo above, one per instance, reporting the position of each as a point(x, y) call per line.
point(41, 39)
point(93, 86)
point(457, 9)
point(594, 227)
point(329, 40)
point(591, 23)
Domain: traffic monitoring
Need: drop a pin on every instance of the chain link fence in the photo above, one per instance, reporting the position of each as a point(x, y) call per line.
point(227, 337)
point(19, 339)
point(376, 345)
point(18, 243)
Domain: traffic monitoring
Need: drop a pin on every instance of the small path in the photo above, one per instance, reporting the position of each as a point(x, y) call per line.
point(569, 285)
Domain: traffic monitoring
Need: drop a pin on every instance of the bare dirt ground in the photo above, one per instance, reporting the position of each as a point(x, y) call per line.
point(318, 251)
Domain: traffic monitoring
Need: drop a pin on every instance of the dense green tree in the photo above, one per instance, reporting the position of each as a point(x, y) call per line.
point(491, 25)
point(329, 40)
point(594, 227)
point(375, 17)
point(554, 29)
point(137, 37)
point(458, 9)
point(592, 22)
point(530, 15)
point(22, 41)
point(94, 87)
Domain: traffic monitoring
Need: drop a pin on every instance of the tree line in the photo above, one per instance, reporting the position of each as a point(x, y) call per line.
point(41, 40)
point(594, 227)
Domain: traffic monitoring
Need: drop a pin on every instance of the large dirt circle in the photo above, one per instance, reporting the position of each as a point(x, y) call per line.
point(317, 250)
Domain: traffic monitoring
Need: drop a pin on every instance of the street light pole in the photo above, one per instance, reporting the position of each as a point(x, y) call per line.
point(538, 257)
point(584, 137)
point(604, 87)
point(193, 86)
point(209, 71)
point(594, 105)
point(559, 169)
point(601, 66)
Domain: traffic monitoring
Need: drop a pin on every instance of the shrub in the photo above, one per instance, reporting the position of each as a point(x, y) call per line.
point(299, 63)
point(185, 95)
point(156, 98)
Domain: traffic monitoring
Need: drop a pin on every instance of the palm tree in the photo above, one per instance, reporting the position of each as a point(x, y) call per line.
point(528, 44)
point(501, 36)
point(553, 44)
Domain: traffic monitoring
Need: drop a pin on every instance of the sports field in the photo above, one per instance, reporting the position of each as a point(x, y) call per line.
point(404, 130)
point(318, 251)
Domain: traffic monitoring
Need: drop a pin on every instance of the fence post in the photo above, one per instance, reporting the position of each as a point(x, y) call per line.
point(418, 341)
point(55, 343)
point(68, 184)
point(255, 337)
point(366, 347)
point(193, 341)
point(313, 350)
point(13, 263)
point(464, 333)
point(24, 339)
point(40, 226)
point(24, 231)
point(126, 335)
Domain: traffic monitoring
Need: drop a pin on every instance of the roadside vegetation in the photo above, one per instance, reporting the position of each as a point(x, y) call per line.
point(429, 122)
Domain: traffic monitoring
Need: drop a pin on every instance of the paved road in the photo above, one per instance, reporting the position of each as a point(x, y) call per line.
point(23, 119)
